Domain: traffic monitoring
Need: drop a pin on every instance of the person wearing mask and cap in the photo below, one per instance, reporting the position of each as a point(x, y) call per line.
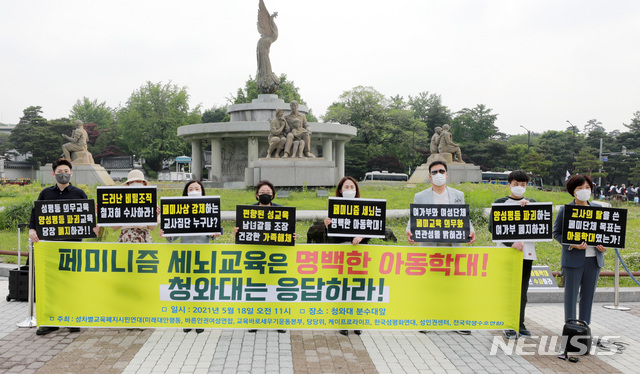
point(518, 181)
point(193, 188)
point(440, 194)
point(135, 234)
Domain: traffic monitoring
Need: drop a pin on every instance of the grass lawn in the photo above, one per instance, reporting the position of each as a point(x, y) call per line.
point(478, 196)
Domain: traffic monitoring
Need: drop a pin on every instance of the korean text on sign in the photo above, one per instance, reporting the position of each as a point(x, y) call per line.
point(440, 223)
point(127, 206)
point(532, 222)
point(65, 219)
point(357, 217)
point(594, 225)
point(266, 225)
point(186, 216)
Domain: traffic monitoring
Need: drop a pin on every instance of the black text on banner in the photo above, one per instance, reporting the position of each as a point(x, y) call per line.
point(532, 222)
point(190, 215)
point(357, 217)
point(440, 223)
point(266, 225)
point(127, 206)
point(65, 219)
point(594, 225)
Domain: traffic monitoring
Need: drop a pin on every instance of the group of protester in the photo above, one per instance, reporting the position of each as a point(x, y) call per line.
point(620, 192)
point(581, 264)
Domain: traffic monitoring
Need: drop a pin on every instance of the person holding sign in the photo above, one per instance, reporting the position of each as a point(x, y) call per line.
point(265, 193)
point(581, 264)
point(196, 189)
point(348, 189)
point(135, 234)
point(62, 190)
point(439, 194)
point(518, 180)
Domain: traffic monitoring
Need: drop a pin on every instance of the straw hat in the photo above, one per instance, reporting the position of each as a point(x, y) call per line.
point(135, 176)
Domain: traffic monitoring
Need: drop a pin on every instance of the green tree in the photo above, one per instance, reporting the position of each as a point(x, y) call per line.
point(388, 131)
point(559, 147)
point(517, 156)
point(537, 165)
point(474, 125)
point(588, 163)
point(5, 144)
point(429, 109)
point(35, 135)
point(215, 114)
point(89, 111)
point(149, 122)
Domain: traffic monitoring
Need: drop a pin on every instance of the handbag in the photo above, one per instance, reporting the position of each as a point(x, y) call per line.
point(576, 338)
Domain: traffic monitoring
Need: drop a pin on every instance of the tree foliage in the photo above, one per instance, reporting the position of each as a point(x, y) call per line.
point(389, 133)
point(474, 125)
point(215, 114)
point(90, 111)
point(43, 139)
point(150, 120)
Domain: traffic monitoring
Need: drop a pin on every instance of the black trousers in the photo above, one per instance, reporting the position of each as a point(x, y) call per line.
point(526, 274)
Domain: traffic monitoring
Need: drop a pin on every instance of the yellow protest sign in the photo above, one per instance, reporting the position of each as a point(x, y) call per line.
point(312, 286)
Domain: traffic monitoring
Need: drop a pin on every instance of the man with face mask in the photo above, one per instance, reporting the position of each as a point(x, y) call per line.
point(62, 190)
point(518, 181)
point(440, 194)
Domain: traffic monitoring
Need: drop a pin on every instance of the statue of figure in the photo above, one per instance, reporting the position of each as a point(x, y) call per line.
point(277, 134)
point(446, 145)
point(267, 81)
point(300, 132)
point(435, 139)
point(77, 141)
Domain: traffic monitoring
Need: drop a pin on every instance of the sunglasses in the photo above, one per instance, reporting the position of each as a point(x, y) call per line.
point(441, 171)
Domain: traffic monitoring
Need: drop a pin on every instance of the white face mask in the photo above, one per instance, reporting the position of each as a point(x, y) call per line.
point(349, 194)
point(439, 180)
point(194, 193)
point(518, 191)
point(583, 195)
point(136, 184)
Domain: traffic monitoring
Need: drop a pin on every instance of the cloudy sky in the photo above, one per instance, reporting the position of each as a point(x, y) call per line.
point(535, 63)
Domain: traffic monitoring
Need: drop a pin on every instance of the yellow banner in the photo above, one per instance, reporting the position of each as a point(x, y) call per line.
point(310, 286)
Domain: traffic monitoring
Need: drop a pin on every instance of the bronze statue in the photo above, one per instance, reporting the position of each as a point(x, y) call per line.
point(277, 134)
point(435, 140)
point(267, 81)
point(300, 132)
point(446, 145)
point(77, 142)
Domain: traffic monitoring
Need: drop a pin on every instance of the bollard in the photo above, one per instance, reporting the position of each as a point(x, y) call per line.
point(31, 319)
point(616, 289)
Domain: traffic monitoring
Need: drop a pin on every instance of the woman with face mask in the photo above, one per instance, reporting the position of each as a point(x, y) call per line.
point(581, 263)
point(135, 234)
point(193, 188)
point(347, 188)
point(265, 193)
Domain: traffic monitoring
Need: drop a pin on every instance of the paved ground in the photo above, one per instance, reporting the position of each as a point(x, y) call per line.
point(312, 351)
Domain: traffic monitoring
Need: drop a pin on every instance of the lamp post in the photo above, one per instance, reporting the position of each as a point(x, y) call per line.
point(528, 137)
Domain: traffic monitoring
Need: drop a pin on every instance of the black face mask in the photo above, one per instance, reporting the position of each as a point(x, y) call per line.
point(265, 199)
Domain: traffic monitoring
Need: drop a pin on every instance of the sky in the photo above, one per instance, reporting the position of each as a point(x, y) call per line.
point(537, 64)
